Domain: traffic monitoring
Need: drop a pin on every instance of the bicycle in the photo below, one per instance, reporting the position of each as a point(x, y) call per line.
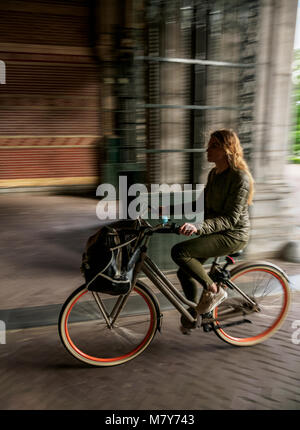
point(102, 330)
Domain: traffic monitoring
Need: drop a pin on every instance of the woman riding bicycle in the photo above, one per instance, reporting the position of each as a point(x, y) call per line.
point(226, 226)
point(104, 331)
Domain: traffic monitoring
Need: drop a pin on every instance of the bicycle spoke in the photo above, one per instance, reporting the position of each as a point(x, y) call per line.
point(129, 323)
point(266, 288)
point(125, 334)
point(266, 315)
point(88, 337)
point(270, 305)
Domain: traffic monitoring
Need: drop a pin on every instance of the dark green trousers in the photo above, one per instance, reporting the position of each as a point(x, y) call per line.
point(191, 254)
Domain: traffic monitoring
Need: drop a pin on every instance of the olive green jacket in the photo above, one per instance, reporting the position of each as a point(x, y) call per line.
point(225, 204)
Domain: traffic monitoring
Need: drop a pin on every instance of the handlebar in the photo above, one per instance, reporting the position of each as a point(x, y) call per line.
point(167, 228)
point(148, 229)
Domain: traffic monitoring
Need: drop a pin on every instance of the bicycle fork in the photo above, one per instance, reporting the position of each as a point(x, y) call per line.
point(110, 319)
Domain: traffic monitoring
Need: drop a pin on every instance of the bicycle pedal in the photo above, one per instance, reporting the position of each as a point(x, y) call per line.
point(207, 328)
point(206, 324)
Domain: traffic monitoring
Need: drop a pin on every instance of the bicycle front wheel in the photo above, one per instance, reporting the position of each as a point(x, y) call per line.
point(98, 339)
point(268, 287)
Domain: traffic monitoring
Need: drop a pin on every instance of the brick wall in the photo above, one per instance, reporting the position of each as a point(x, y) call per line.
point(49, 108)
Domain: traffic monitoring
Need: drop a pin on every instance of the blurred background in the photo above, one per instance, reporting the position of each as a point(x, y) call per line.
point(102, 88)
point(95, 89)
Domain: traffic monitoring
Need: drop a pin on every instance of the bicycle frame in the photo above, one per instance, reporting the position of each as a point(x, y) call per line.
point(165, 286)
point(174, 296)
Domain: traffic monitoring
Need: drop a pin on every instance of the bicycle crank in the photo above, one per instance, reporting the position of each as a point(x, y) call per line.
point(207, 327)
point(239, 322)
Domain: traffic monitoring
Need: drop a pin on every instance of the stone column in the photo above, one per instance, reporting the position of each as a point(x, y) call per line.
point(272, 221)
point(274, 67)
point(173, 91)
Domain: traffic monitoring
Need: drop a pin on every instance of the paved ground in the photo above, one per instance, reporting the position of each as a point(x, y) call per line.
point(175, 372)
point(43, 237)
point(292, 173)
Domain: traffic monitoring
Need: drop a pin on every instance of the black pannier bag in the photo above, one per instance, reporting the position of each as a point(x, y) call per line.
point(109, 258)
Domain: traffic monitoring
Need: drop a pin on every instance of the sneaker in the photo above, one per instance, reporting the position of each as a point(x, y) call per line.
point(209, 300)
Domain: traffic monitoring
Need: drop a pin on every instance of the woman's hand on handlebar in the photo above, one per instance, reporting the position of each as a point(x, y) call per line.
point(187, 229)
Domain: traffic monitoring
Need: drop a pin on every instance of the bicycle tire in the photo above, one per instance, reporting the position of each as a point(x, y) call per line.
point(90, 340)
point(273, 299)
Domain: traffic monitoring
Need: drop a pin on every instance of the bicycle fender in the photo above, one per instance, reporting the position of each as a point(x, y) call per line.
point(148, 290)
point(249, 264)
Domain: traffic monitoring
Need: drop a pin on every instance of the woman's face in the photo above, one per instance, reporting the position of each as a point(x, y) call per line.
point(215, 152)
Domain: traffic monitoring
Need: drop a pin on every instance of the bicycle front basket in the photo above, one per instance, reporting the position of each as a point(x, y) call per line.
point(108, 263)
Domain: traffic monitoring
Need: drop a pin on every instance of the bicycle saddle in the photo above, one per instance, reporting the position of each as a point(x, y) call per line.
point(236, 254)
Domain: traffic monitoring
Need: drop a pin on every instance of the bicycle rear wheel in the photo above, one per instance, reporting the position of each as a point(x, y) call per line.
point(266, 285)
point(87, 335)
